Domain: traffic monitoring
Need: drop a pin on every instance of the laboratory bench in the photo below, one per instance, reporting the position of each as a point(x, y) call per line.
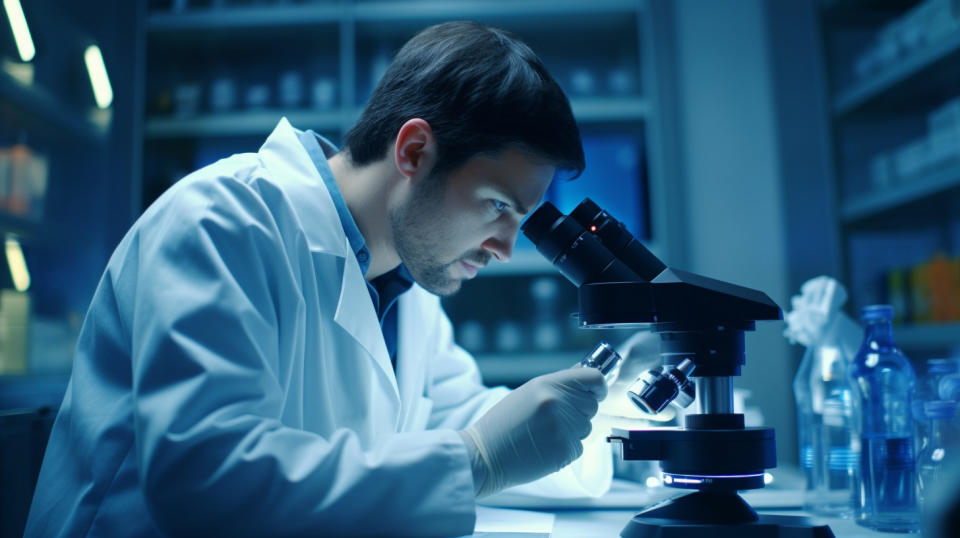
point(516, 515)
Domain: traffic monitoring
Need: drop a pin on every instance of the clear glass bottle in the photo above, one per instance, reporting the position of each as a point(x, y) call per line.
point(928, 391)
point(937, 449)
point(829, 450)
point(938, 369)
point(883, 383)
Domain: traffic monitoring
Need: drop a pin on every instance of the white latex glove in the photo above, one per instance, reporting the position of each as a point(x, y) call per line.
point(535, 430)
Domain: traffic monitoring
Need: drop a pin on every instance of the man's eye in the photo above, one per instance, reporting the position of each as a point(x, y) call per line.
point(499, 206)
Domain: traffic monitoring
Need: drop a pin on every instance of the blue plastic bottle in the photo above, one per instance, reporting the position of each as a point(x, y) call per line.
point(936, 452)
point(883, 381)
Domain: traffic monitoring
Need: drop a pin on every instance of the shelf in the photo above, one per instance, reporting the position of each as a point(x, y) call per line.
point(481, 9)
point(39, 109)
point(18, 225)
point(246, 123)
point(855, 97)
point(609, 109)
point(928, 335)
point(245, 18)
point(869, 205)
point(312, 14)
point(594, 110)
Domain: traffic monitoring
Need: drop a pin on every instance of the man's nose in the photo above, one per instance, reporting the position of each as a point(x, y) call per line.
point(501, 245)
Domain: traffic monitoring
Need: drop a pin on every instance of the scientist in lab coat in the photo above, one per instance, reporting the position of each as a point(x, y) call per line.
point(266, 353)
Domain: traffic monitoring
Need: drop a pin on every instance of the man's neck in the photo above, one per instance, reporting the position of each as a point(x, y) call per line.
point(367, 193)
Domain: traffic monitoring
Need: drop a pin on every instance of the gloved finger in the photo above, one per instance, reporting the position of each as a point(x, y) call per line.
point(585, 379)
point(576, 450)
point(575, 423)
point(585, 430)
point(585, 403)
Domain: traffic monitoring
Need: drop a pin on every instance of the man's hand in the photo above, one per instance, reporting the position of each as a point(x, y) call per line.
point(535, 430)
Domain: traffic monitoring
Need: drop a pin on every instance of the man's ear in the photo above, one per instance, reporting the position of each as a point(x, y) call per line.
point(415, 149)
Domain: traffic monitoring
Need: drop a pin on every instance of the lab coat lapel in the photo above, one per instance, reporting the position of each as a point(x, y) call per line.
point(356, 315)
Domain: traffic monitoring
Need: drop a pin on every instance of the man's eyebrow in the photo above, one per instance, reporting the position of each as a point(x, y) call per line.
point(515, 202)
point(521, 209)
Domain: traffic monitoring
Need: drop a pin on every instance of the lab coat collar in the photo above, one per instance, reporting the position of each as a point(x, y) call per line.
point(290, 165)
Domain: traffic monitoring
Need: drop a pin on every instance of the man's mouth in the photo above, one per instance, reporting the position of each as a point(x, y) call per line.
point(470, 269)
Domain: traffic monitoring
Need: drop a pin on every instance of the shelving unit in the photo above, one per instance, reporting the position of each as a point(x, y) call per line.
point(927, 336)
point(85, 163)
point(258, 123)
point(245, 18)
point(614, 110)
point(252, 17)
point(38, 110)
point(876, 203)
point(904, 72)
point(889, 226)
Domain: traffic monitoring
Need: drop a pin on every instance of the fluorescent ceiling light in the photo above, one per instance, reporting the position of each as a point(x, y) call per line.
point(17, 264)
point(97, 70)
point(21, 32)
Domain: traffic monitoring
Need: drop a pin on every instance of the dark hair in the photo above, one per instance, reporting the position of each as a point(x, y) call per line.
point(481, 90)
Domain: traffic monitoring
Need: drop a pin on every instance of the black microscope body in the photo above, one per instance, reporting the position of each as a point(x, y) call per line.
point(701, 323)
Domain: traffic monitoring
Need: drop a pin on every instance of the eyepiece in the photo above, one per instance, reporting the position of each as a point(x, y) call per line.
point(540, 222)
point(577, 253)
point(615, 236)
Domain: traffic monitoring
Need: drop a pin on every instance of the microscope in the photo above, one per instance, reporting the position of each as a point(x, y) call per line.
point(701, 324)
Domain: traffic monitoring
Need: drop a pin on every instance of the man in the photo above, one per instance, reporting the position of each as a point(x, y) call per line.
point(266, 354)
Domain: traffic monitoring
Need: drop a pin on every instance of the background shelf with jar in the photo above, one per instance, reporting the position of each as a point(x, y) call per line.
point(68, 120)
point(221, 73)
point(65, 138)
point(895, 72)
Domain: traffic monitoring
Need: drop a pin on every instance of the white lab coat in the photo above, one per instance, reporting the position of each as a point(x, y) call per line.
point(231, 377)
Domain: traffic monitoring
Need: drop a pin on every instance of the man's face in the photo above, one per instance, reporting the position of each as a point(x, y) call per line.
point(450, 227)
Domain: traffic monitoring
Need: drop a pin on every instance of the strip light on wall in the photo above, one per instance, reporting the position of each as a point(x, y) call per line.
point(21, 32)
point(17, 264)
point(102, 91)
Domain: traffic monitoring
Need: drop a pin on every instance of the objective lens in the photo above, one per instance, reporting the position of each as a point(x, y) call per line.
point(653, 391)
point(605, 359)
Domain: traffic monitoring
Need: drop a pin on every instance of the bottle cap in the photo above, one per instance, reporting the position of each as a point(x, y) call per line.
point(876, 312)
point(939, 409)
point(942, 366)
point(949, 387)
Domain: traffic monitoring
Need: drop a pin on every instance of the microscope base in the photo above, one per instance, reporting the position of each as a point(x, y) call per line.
point(717, 514)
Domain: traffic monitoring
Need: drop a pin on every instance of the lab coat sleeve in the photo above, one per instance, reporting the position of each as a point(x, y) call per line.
point(460, 398)
point(214, 458)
